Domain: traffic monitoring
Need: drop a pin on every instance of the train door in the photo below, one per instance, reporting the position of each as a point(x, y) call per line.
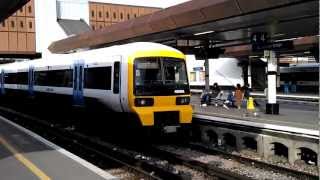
point(2, 82)
point(117, 82)
point(78, 77)
point(31, 81)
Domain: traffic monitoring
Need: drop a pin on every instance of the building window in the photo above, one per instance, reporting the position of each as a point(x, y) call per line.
point(114, 15)
point(128, 16)
point(100, 14)
point(29, 9)
point(21, 24)
point(92, 13)
point(93, 27)
point(21, 10)
point(3, 24)
point(107, 14)
point(121, 16)
point(12, 24)
point(98, 78)
point(135, 15)
point(30, 25)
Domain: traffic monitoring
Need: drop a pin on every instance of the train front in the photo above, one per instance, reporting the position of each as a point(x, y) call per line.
point(159, 91)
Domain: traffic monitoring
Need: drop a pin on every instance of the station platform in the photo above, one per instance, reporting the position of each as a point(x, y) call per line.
point(25, 155)
point(293, 117)
point(281, 96)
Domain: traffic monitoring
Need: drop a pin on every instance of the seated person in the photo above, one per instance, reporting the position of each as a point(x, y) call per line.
point(207, 96)
point(230, 102)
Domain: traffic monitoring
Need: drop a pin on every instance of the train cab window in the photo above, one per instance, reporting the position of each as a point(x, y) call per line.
point(57, 78)
point(98, 78)
point(160, 76)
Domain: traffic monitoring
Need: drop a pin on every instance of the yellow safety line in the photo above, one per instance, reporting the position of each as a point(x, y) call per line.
point(33, 168)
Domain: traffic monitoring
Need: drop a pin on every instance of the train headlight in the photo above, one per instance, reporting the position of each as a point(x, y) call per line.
point(139, 102)
point(183, 100)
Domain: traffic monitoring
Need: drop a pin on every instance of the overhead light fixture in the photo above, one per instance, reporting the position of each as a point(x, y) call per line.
point(202, 33)
point(278, 35)
point(290, 39)
point(264, 59)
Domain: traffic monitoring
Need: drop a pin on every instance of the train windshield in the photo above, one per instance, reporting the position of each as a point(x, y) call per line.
point(160, 76)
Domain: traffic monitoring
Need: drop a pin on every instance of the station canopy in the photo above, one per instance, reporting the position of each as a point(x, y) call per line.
point(224, 23)
point(8, 7)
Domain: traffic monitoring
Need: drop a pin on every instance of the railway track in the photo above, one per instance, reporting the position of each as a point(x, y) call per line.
point(103, 155)
point(130, 163)
point(152, 163)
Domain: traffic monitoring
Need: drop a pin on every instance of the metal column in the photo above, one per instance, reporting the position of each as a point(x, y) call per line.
point(206, 68)
point(249, 74)
point(272, 107)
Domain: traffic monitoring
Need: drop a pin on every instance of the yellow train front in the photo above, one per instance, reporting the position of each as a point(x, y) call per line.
point(158, 89)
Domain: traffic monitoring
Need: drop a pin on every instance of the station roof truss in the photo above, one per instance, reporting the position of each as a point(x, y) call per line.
point(8, 7)
point(223, 23)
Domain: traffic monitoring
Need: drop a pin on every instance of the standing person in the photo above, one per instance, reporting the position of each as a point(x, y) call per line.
point(238, 96)
point(286, 87)
point(246, 91)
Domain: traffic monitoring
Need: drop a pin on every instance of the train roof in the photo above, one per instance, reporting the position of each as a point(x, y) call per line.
point(91, 55)
point(310, 67)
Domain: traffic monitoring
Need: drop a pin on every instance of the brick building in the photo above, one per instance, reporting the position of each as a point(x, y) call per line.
point(17, 32)
point(104, 14)
point(40, 22)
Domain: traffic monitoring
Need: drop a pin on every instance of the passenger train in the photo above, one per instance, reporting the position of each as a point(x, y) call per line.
point(146, 79)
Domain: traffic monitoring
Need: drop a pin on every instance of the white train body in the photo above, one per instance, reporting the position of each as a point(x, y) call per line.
point(121, 100)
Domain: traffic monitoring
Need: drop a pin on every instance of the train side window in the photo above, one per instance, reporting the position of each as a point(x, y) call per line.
point(98, 78)
point(22, 78)
point(10, 78)
point(57, 78)
point(116, 77)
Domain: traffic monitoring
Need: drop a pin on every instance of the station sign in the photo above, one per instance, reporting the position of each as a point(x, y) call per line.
point(260, 41)
point(198, 69)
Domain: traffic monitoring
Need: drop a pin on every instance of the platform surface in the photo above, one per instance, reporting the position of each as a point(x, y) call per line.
point(25, 155)
point(294, 115)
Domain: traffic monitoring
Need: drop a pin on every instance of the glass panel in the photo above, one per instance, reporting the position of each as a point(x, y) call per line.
point(98, 78)
point(160, 76)
point(58, 78)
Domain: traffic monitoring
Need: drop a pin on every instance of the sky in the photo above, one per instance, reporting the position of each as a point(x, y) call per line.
point(152, 3)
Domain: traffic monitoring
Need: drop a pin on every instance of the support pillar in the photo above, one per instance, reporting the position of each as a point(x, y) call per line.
point(206, 69)
point(249, 74)
point(272, 107)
